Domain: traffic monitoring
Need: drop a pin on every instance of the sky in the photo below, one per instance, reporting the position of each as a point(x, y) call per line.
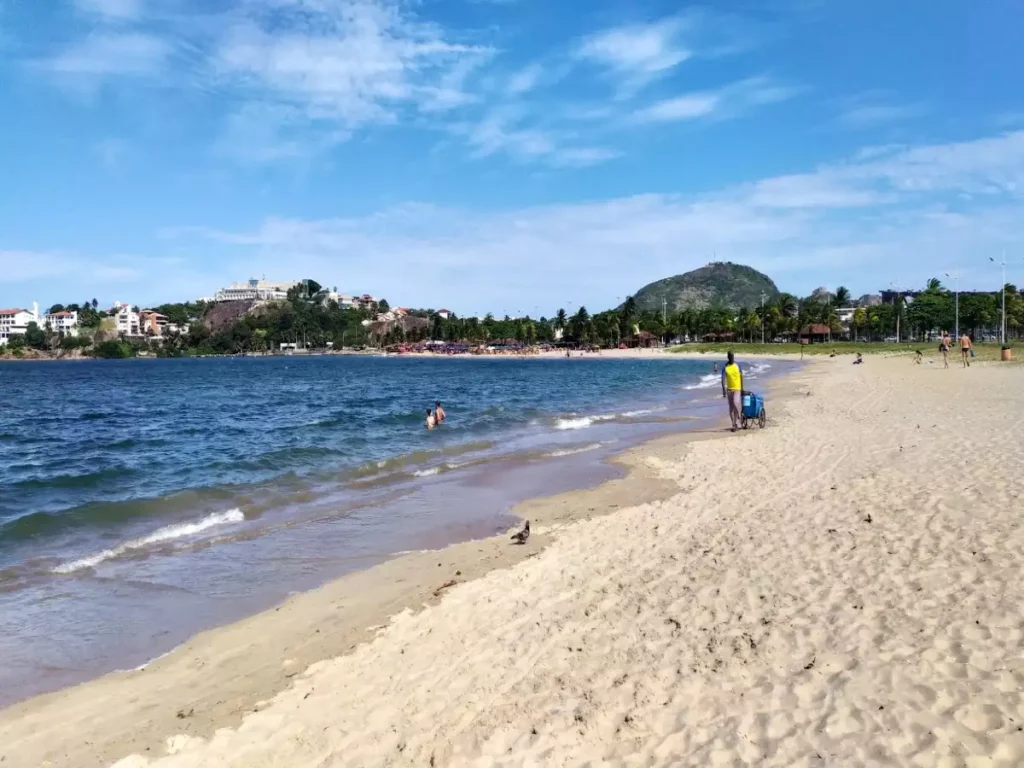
point(505, 156)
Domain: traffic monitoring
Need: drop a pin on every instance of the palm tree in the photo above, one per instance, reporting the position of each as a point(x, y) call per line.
point(934, 285)
point(628, 313)
point(842, 297)
point(580, 324)
point(559, 322)
point(786, 304)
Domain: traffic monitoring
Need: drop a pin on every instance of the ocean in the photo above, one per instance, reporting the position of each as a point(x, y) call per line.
point(144, 500)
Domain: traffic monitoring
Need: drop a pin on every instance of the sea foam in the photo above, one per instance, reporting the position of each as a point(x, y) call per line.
point(573, 451)
point(167, 533)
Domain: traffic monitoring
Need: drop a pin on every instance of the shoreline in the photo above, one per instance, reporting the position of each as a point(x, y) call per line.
point(306, 627)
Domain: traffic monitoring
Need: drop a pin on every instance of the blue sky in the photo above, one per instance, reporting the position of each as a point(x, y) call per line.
point(504, 155)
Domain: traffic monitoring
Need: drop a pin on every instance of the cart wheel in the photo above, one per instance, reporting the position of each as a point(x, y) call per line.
point(743, 422)
point(762, 418)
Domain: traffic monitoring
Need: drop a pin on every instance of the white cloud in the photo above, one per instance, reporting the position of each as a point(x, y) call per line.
point(358, 63)
point(679, 108)
point(113, 9)
point(525, 79)
point(583, 157)
point(499, 132)
point(24, 266)
point(502, 130)
point(637, 49)
point(872, 115)
point(101, 54)
point(857, 222)
point(730, 101)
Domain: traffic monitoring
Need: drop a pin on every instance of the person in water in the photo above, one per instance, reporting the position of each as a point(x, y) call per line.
point(439, 414)
point(714, 368)
point(431, 421)
point(732, 389)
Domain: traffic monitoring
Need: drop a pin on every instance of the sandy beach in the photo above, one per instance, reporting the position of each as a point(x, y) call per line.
point(841, 588)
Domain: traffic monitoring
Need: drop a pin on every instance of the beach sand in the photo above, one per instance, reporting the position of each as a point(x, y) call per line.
point(842, 588)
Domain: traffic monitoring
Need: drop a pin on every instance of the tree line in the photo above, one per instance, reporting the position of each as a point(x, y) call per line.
point(307, 318)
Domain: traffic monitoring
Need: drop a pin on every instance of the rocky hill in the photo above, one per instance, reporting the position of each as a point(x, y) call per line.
point(721, 284)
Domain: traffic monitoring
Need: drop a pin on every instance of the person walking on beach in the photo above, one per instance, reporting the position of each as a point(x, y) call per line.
point(965, 350)
point(944, 349)
point(732, 389)
point(439, 414)
point(431, 421)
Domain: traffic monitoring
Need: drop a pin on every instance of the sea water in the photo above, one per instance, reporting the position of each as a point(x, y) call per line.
point(143, 500)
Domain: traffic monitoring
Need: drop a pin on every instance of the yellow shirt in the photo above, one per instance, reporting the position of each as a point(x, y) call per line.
point(733, 377)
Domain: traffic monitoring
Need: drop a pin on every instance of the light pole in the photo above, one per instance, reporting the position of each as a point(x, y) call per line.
point(956, 300)
point(828, 313)
point(1002, 290)
point(896, 307)
point(762, 317)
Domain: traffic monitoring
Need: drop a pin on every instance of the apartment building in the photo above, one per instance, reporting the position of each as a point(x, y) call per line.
point(152, 323)
point(127, 320)
point(14, 323)
point(63, 323)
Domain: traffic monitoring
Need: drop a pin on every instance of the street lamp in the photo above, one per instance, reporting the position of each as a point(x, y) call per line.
point(762, 316)
point(1002, 290)
point(956, 285)
point(896, 307)
point(828, 313)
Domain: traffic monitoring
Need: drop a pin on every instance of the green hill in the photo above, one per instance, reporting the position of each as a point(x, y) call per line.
point(721, 284)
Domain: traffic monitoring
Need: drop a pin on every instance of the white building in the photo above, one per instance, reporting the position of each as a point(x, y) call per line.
point(444, 314)
point(14, 322)
point(63, 323)
point(127, 321)
point(255, 290)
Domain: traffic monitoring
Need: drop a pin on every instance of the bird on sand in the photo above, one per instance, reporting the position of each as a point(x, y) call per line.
point(523, 535)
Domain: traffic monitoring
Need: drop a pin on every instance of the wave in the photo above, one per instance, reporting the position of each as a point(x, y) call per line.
point(641, 412)
point(112, 513)
point(573, 451)
point(427, 472)
point(582, 422)
point(86, 480)
point(167, 533)
point(705, 382)
point(282, 458)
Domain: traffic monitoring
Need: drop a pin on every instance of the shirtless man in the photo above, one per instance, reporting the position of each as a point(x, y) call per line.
point(439, 414)
point(944, 346)
point(965, 350)
point(431, 422)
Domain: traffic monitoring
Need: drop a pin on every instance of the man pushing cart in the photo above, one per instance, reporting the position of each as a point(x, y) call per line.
point(744, 407)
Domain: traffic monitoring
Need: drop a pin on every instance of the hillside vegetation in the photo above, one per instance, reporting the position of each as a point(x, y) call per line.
point(722, 285)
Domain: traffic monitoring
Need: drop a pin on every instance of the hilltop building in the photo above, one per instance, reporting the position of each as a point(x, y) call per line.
point(256, 290)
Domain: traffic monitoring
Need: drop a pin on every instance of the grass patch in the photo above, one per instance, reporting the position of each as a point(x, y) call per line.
point(927, 348)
